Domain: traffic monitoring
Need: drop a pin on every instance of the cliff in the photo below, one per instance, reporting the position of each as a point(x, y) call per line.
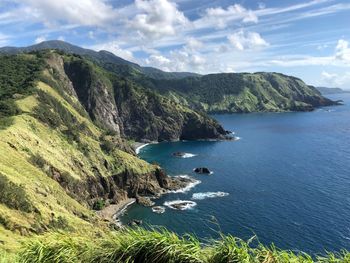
point(213, 93)
point(63, 149)
point(242, 92)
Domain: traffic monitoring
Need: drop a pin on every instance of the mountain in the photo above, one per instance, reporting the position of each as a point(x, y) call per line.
point(213, 93)
point(328, 91)
point(66, 128)
point(103, 58)
point(241, 92)
point(69, 116)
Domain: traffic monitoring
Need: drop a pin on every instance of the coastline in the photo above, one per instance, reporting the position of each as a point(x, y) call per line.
point(113, 211)
point(137, 146)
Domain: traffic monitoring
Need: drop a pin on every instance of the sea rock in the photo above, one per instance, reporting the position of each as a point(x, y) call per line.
point(144, 200)
point(180, 204)
point(202, 170)
point(179, 154)
point(158, 209)
point(135, 222)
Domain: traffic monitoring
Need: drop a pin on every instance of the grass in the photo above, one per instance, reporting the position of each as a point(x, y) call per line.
point(134, 245)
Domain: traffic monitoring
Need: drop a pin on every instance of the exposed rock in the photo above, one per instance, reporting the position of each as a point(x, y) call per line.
point(144, 200)
point(94, 91)
point(158, 209)
point(135, 222)
point(179, 154)
point(202, 170)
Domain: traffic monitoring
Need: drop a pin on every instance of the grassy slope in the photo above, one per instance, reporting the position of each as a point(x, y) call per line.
point(26, 137)
point(157, 246)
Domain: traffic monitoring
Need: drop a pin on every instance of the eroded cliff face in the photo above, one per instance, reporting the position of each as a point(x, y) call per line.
point(94, 92)
point(129, 110)
point(65, 149)
point(149, 116)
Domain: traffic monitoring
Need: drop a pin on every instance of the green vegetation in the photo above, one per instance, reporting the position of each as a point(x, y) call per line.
point(17, 77)
point(240, 92)
point(157, 246)
point(64, 125)
point(99, 204)
point(14, 196)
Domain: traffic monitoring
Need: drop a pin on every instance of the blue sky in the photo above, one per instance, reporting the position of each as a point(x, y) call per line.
point(308, 39)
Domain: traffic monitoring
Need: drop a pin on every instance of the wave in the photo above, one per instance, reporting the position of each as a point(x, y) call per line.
point(237, 138)
point(158, 209)
point(201, 196)
point(188, 155)
point(192, 183)
point(138, 149)
point(180, 204)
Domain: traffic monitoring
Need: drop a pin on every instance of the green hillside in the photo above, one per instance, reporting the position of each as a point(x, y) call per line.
point(213, 93)
point(242, 92)
point(66, 127)
point(63, 146)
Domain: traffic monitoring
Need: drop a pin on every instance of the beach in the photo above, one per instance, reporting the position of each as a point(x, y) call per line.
point(113, 211)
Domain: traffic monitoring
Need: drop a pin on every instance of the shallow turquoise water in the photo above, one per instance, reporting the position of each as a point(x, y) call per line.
point(288, 180)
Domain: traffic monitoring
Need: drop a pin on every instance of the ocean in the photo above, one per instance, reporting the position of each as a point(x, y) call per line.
point(285, 181)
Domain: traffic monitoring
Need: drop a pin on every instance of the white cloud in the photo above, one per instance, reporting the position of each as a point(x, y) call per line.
point(261, 5)
point(61, 38)
point(157, 18)
point(40, 39)
point(220, 18)
point(83, 12)
point(193, 44)
point(247, 40)
point(322, 46)
point(178, 60)
point(159, 61)
point(335, 79)
point(91, 34)
point(4, 39)
point(115, 49)
point(342, 51)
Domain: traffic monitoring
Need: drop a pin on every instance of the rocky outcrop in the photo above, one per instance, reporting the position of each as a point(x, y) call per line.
point(94, 91)
point(147, 115)
point(118, 187)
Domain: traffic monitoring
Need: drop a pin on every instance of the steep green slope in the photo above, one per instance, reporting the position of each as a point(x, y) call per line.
point(214, 93)
point(103, 58)
point(132, 110)
point(56, 162)
point(242, 92)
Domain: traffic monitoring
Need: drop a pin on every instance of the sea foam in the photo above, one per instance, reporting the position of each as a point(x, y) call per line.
point(180, 204)
point(138, 149)
point(188, 187)
point(201, 196)
point(188, 155)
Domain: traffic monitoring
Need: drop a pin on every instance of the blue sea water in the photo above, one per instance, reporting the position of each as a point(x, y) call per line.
point(288, 180)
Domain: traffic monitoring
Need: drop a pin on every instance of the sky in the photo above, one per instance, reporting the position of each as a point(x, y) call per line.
point(308, 39)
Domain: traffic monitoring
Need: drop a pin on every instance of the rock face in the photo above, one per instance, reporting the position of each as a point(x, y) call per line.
point(135, 112)
point(95, 93)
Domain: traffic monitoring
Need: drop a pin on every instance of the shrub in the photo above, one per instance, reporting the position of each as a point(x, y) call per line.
point(38, 160)
point(8, 108)
point(99, 204)
point(59, 223)
point(14, 196)
point(5, 122)
point(107, 146)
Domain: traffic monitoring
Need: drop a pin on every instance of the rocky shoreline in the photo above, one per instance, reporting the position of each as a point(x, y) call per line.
point(174, 184)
